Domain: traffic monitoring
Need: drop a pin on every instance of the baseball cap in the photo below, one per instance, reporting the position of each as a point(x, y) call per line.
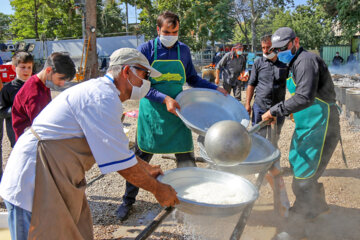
point(281, 37)
point(131, 56)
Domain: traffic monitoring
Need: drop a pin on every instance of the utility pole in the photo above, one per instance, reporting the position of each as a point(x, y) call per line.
point(92, 65)
point(127, 18)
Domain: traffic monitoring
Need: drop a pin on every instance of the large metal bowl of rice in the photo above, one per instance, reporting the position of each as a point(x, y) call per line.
point(210, 192)
point(201, 108)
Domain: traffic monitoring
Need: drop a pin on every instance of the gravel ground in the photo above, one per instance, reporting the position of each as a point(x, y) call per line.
point(342, 186)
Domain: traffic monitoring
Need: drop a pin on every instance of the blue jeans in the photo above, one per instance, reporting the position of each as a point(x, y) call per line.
point(266, 131)
point(19, 221)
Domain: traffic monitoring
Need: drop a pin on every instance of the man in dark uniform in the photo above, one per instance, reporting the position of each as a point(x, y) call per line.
point(316, 116)
point(233, 64)
point(337, 60)
point(268, 79)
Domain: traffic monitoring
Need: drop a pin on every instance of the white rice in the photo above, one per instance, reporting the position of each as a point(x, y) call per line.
point(211, 193)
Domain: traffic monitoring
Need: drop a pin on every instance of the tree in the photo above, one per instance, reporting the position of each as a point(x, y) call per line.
point(311, 27)
point(5, 27)
point(242, 16)
point(110, 18)
point(201, 20)
point(91, 70)
point(49, 18)
point(345, 12)
point(256, 8)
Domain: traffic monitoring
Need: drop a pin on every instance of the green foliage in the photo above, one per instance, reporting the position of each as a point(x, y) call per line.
point(53, 18)
point(345, 12)
point(5, 33)
point(200, 20)
point(45, 18)
point(110, 18)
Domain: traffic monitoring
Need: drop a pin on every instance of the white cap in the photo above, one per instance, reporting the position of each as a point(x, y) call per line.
point(131, 56)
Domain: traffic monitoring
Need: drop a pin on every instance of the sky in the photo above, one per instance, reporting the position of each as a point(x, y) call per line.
point(6, 8)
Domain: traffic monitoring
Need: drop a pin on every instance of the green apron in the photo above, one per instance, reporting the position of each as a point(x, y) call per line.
point(158, 130)
point(307, 144)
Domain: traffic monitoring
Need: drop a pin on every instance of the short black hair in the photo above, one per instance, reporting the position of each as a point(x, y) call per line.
point(266, 38)
point(22, 57)
point(61, 63)
point(168, 17)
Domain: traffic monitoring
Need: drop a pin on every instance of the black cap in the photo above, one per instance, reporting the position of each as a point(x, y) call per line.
point(281, 37)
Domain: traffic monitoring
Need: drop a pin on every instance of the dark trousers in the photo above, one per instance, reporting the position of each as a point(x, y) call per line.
point(310, 194)
point(182, 159)
point(236, 89)
point(10, 134)
point(265, 132)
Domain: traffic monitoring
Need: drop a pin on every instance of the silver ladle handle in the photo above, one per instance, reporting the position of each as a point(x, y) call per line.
point(258, 126)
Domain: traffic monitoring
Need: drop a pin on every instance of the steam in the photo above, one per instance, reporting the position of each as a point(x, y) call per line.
point(348, 69)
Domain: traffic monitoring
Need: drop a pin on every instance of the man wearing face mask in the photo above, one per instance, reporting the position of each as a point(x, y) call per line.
point(43, 185)
point(337, 60)
point(35, 93)
point(316, 116)
point(233, 64)
point(268, 79)
point(159, 129)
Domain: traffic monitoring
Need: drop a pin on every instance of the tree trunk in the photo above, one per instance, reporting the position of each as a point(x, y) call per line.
point(36, 20)
point(253, 37)
point(127, 18)
point(91, 70)
point(253, 26)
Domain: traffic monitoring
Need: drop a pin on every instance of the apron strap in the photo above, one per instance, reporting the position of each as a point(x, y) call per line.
point(156, 46)
point(35, 134)
point(155, 49)
point(178, 51)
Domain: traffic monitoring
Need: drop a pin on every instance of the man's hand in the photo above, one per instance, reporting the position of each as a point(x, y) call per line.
point(222, 90)
point(267, 116)
point(166, 195)
point(171, 105)
point(155, 170)
point(217, 81)
point(248, 108)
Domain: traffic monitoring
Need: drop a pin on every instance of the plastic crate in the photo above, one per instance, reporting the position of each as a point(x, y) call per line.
point(7, 74)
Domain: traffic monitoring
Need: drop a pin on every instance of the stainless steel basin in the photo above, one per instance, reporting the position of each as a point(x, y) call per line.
point(181, 178)
point(353, 99)
point(261, 157)
point(201, 108)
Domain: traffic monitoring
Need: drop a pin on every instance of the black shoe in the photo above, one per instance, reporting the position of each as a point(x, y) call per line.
point(122, 213)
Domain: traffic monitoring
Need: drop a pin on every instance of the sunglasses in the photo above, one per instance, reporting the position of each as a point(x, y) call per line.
point(147, 76)
point(277, 50)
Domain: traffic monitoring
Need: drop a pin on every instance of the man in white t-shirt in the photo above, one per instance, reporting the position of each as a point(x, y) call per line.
point(43, 185)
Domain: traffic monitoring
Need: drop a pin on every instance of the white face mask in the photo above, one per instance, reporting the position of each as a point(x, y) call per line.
point(139, 92)
point(269, 56)
point(168, 41)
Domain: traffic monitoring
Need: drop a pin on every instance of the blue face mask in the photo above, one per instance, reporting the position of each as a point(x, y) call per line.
point(239, 52)
point(285, 56)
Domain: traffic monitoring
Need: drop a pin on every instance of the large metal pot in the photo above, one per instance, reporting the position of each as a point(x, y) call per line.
point(353, 99)
point(201, 108)
point(261, 157)
point(184, 177)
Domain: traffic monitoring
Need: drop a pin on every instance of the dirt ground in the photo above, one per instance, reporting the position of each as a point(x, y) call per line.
point(342, 187)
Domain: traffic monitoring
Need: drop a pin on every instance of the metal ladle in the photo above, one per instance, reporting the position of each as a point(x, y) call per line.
point(228, 143)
